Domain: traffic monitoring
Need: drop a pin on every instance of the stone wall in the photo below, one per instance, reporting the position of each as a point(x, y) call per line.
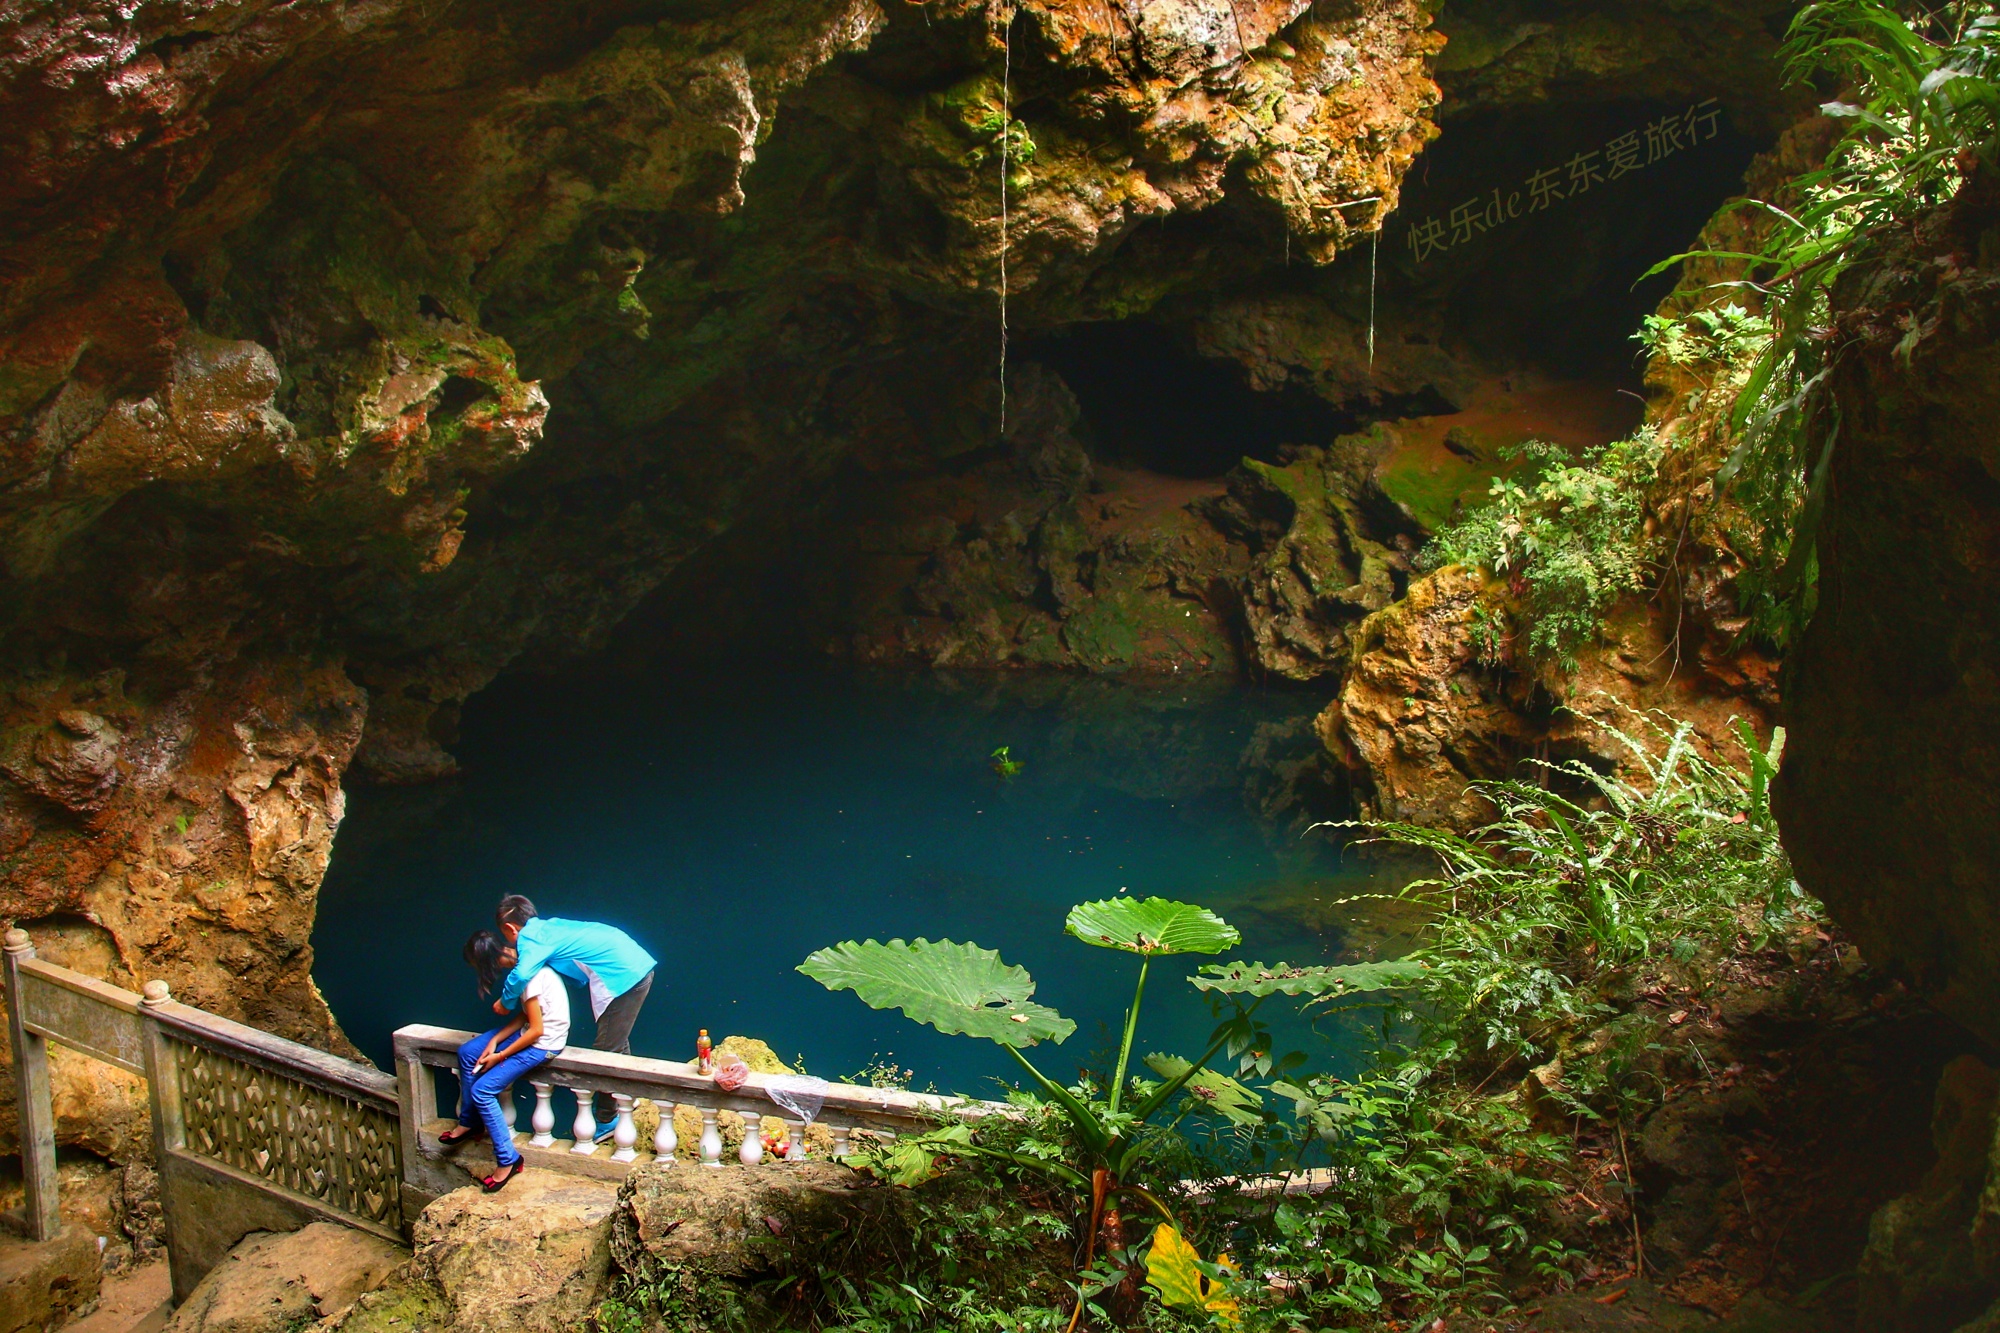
point(1890, 794)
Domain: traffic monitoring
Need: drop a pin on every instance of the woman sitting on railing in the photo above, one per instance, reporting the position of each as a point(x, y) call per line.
point(490, 1062)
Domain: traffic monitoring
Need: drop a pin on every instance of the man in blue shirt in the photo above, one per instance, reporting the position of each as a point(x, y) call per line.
point(603, 959)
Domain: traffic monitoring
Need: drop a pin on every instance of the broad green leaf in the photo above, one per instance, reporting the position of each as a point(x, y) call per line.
point(1173, 1269)
point(1212, 1092)
point(912, 1159)
point(1283, 979)
point(1322, 1113)
point(1151, 926)
point(953, 987)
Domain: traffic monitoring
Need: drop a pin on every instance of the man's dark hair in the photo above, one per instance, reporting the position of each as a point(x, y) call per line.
point(484, 951)
point(515, 911)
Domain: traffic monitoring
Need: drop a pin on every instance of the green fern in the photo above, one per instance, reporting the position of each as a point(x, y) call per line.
point(1924, 113)
point(1557, 893)
point(1570, 540)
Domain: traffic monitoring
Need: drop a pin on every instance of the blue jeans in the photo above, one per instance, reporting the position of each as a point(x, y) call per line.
point(481, 1095)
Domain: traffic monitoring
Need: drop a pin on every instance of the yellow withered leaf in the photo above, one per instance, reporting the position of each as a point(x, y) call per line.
point(1173, 1271)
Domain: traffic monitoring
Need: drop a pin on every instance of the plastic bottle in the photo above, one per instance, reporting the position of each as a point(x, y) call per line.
point(703, 1064)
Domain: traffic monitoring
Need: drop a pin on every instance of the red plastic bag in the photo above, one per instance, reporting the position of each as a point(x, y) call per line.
point(730, 1072)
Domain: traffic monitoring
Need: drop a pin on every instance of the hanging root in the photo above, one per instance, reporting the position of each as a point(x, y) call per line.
point(1006, 137)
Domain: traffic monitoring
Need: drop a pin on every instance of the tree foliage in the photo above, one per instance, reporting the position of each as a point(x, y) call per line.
point(1921, 96)
point(1569, 535)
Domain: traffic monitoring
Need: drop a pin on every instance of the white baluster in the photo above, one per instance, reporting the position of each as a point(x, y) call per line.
point(665, 1142)
point(711, 1138)
point(507, 1110)
point(585, 1127)
point(624, 1134)
point(795, 1151)
point(840, 1148)
point(543, 1119)
point(752, 1151)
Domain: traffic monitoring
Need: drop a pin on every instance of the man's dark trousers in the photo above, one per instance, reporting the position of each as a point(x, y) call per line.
point(614, 1035)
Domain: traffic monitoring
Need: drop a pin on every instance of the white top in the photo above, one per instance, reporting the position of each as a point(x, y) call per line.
point(547, 987)
point(600, 994)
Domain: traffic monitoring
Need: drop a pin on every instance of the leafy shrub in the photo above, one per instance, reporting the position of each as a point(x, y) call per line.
point(1540, 907)
point(1924, 103)
point(1716, 335)
point(1570, 538)
point(1098, 1139)
point(1433, 1192)
point(979, 1256)
point(668, 1296)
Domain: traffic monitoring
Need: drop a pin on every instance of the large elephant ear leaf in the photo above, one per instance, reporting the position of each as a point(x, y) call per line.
point(911, 1159)
point(1211, 1092)
point(1151, 926)
point(1281, 979)
point(955, 988)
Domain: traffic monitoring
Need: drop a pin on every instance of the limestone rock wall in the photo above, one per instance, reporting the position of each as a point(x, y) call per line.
point(279, 1282)
point(351, 352)
point(1890, 793)
point(291, 291)
point(685, 1246)
point(1428, 706)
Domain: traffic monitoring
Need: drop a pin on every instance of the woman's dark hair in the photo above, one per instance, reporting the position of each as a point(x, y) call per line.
point(515, 911)
point(484, 952)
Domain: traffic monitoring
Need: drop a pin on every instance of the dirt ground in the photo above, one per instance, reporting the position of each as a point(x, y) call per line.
point(1802, 1086)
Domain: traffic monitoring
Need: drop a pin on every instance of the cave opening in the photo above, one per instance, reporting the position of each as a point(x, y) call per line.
point(932, 545)
point(1530, 230)
point(1150, 401)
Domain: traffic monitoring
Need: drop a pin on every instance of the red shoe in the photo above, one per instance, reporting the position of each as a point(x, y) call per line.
point(458, 1134)
point(496, 1182)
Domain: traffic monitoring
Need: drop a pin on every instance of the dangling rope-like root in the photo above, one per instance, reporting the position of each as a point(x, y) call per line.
point(1006, 138)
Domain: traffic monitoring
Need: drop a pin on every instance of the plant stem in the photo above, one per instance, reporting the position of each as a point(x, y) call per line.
point(1086, 1124)
point(1174, 1085)
point(1131, 1028)
point(1152, 1200)
point(1632, 1202)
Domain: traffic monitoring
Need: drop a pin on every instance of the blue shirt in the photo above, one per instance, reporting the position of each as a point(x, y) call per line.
point(606, 960)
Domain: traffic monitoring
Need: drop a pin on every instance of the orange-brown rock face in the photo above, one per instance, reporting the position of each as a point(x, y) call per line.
point(1424, 708)
point(191, 830)
point(287, 293)
point(1324, 107)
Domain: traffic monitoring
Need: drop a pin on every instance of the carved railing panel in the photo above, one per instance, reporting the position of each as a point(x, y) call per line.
point(343, 1152)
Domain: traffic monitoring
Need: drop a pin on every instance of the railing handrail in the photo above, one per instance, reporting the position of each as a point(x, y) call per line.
point(280, 1055)
point(255, 1046)
point(309, 1134)
point(641, 1076)
point(596, 1071)
point(82, 984)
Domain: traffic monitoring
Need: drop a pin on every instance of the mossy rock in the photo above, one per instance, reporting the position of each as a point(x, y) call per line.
point(743, 1222)
point(757, 1054)
point(687, 1119)
point(405, 1305)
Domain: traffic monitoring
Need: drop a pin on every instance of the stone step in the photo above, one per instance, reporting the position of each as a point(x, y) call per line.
point(44, 1283)
point(137, 1300)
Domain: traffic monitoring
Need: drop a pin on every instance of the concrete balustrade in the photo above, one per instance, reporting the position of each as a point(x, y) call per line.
point(423, 1053)
point(256, 1133)
point(251, 1132)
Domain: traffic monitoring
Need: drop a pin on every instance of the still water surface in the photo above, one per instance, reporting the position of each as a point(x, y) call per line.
point(735, 825)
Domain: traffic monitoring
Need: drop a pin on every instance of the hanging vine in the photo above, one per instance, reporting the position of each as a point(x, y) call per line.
point(1006, 138)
